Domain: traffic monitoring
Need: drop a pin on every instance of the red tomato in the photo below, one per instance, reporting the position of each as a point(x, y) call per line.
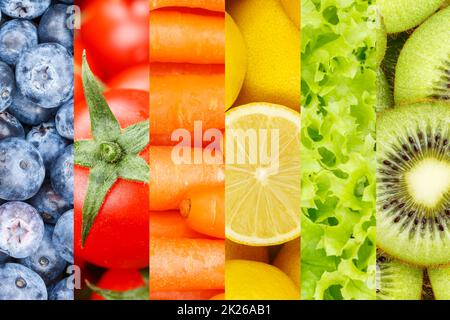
point(137, 77)
point(119, 280)
point(119, 237)
point(79, 46)
point(116, 32)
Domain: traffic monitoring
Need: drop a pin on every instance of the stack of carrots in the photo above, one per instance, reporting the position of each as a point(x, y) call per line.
point(187, 84)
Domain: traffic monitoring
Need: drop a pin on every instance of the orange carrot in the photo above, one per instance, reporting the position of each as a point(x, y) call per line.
point(166, 140)
point(176, 101)
point(186, 264)
point(203, 209)
point(170, 225)
point(213, 5)
point(184, 295)
point(186, 37)
point(161, 68)
point(169, 181)
point(220, 296)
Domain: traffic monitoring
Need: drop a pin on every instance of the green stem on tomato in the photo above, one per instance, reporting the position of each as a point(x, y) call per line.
point(113, 152)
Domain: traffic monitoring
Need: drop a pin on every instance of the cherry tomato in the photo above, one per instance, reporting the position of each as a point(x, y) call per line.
point(133, 78)
point(117, 33)
point(119, 280)
point(119, 237)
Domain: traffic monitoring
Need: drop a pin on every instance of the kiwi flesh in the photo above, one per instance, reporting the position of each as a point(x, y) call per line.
point(440, 282)
point(423, 67)
point(413, 183)
point(402, 15)
point(397, 281)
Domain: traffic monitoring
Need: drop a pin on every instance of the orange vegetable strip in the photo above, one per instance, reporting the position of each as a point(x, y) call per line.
point(177, 101)
point(213, 5)
point(169, 180)
point(186, 264)
point(203, 209)
point(220, 296)
point(184, 295)
point(162, 68)
point(186, 37)
point(170, 224)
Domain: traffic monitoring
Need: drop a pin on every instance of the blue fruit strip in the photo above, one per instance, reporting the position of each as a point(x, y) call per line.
point(36, 150)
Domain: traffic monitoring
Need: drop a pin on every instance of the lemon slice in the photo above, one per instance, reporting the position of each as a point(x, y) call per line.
point(262, 184)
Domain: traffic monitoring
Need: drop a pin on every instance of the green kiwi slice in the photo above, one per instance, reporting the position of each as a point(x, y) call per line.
point(423, 67)
point(413, 183)
point(402, 15)
point(440, 282)
point(397, 281)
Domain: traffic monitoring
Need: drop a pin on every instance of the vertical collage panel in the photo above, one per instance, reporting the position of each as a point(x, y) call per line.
point(262, 176)
point(413, 131)
point(111, 172)
point(338, 149)
point(187, 103)
point(36, 147)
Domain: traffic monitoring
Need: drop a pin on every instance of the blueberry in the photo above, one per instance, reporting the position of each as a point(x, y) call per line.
point(53, 26)
point(22, 169)
point(3, 258)
point(46, 261)
point(64, 120)
point(61, 174)
point(63, 236)
point(66, 1)
point(44, 74)
point(15, 37)
point(25, 9)
point(48, 142)
point(20, 283)
point(7, 86)
point(21, 229)
point(49, 204)
point(63, 290)
point(10, 126)
point(29, 112)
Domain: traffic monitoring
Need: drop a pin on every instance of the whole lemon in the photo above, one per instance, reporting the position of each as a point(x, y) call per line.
point(288, 260)
point(235, 250)
point(235, 61)
point(251, 280)
point(273, 52)
point(292, 8)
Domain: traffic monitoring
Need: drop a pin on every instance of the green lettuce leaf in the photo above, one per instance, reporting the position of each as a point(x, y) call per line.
point(338, 149)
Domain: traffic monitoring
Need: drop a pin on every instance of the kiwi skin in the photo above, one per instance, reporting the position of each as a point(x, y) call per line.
point(402, 15)
point(440, 282)
point(423, 67)
point(397, 281)
point(407, 230)
point(385, 99)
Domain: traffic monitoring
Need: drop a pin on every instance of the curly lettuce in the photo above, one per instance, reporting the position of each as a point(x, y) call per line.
point(338, 149)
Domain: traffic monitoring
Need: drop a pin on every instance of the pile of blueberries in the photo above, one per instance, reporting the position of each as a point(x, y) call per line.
point(36, 150)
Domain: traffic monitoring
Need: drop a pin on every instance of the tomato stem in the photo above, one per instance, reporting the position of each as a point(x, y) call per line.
point(111, 152)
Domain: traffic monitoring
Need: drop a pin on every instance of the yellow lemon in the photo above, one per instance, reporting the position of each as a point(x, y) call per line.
point(250, 280)
point(240, 251)
point(292, 8)
point(288, 260)
point(235, 61)
point(262, 189)
point(273, 52)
